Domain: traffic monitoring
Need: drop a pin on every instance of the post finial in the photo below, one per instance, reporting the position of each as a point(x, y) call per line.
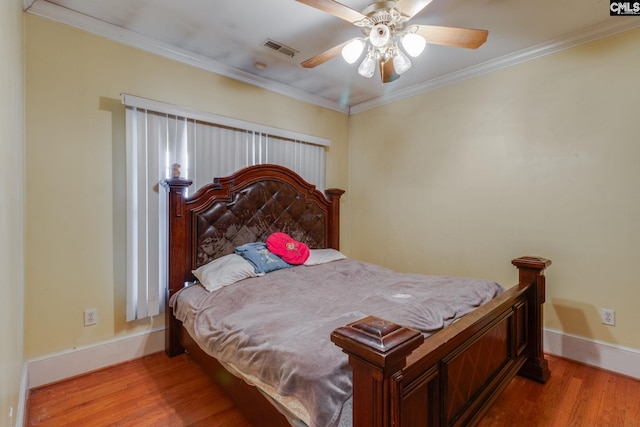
point(175, 170)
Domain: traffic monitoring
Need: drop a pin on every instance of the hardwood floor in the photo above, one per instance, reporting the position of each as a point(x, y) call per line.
point(159, 391)
point(152, 391)
point(575, 395)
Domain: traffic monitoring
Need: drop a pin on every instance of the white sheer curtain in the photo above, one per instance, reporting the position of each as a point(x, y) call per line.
point(156, 139)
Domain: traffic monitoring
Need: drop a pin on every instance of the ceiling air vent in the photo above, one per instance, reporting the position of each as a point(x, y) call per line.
point(279, 47)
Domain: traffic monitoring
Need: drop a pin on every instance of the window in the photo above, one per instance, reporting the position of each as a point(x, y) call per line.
point(206, 146)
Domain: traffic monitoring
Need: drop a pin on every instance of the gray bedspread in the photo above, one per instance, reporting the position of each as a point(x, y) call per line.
point(277, 327)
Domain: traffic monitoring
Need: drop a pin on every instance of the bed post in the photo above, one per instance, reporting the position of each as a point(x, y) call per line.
point(377, 351)
point(531, 273)
point(334, 194)
point(178, 230)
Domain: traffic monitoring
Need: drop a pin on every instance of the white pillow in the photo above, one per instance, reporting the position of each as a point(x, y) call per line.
point(224, 271)
point(322, 256)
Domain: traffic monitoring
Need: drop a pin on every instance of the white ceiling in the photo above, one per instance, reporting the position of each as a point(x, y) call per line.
point(227, 37)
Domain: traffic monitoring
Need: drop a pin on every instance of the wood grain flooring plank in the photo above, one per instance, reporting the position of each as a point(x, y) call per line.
point(576, 395)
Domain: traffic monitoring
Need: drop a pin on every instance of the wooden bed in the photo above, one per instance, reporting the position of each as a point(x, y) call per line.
point(399, 378)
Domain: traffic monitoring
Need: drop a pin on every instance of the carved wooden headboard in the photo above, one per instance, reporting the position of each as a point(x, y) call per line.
point(245, 207)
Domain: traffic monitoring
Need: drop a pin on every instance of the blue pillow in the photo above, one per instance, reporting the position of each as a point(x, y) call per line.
point(261, 258)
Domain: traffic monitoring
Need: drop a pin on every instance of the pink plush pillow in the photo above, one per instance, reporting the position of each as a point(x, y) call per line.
point(291, 251)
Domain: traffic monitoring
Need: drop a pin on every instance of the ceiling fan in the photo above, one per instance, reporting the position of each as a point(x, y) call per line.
point(384, 24)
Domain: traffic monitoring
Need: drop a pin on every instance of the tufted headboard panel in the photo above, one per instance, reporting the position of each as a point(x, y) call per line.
point(254, 212)
point(245, 207)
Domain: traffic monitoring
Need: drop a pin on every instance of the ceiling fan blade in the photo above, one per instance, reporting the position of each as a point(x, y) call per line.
point(325, 56)
point(452, 36)
point(336, 9)
point(411, 8)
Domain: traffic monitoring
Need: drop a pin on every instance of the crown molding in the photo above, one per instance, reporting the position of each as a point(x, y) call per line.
point(57, 13)
point(590, 34)
point(60, 14)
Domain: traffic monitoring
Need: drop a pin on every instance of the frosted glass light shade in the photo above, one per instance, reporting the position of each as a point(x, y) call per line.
point(368, 66)
point(414, 44)
point(401, 63)
point(352, 50)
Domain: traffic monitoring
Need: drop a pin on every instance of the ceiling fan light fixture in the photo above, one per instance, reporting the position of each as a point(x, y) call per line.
point(414, 44)
point(352, 50)
point(379, 35)
point(385, 26)
point(400, 62)
point(368, 66)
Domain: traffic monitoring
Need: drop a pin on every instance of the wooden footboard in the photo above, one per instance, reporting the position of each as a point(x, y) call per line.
point(400, 379)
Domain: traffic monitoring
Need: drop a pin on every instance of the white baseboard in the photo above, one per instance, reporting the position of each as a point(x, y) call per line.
point(55, 367)
point(611, 357)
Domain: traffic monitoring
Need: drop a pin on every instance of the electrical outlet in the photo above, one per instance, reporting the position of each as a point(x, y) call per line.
point(608, 316)
point(91, 317)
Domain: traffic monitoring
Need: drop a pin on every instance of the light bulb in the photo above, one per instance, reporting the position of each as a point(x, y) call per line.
point(400, 62)
point(368, 66)
point(414, 44)
point(379, 35)
point(352, 50)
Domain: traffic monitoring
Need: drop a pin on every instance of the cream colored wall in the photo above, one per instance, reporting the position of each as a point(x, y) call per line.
point(11, 207)
point(539, 158)
point(75, 166)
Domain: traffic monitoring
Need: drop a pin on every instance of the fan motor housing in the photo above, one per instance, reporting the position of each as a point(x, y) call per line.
point(382, 12)
point(377, 6)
